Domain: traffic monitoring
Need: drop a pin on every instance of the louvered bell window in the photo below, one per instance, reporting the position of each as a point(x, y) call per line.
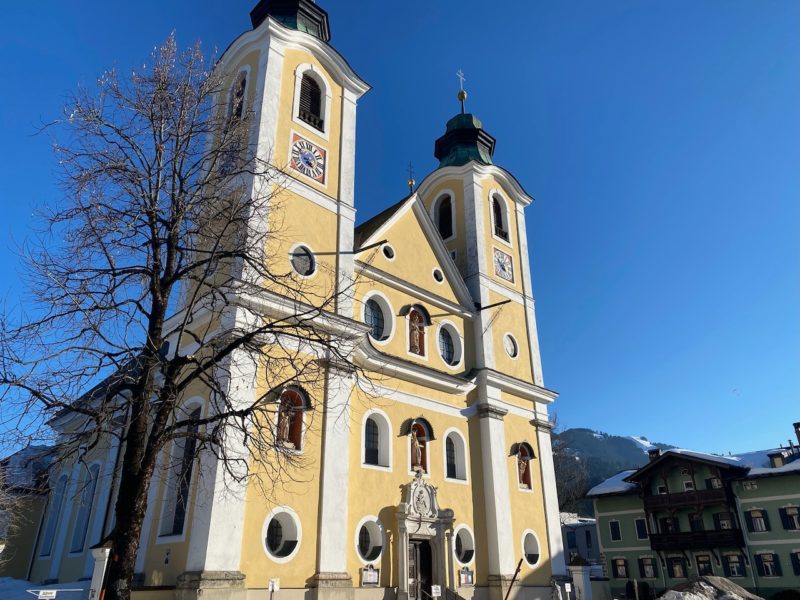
point(311, 103)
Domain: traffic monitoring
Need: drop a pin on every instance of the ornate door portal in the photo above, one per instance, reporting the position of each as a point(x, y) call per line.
point(425, 542)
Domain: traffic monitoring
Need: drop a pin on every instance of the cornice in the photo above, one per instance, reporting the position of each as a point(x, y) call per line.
point(334, 62)
point(518, 387)
point(369, 357)
point(443, 173)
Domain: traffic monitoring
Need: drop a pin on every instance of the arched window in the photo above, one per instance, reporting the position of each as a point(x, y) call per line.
point(85, 509)
point(236, 104)
point(54, 516)
point(455, 457)
point(416, 332)
point(176, 496)
point(500, 222)
point(373, 316)
point(376, 444)
point(419, 446)
point(444, 217)
point(450, 450)
point(372, 441)
point(524, 457)
point(311, 102)
point(289, 432)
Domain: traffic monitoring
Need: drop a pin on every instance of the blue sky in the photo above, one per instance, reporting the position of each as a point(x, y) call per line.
point(661, 141)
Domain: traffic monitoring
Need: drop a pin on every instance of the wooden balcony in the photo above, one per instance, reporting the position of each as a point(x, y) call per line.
point(697, 540)
point(685, 499)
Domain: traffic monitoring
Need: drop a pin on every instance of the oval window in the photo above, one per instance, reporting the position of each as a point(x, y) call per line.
point(465, 546)
point(438, 276)
point(370, 541)
point(510, 344)
point(531, 547)
point(303, 261)
point(388, 251)
point(281, 536)
point(447, 347)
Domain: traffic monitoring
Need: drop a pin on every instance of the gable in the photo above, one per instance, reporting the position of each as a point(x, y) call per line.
point(420, 257)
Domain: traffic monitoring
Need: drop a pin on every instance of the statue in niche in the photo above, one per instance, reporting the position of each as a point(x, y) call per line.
point(416, 451)
point(522, 466)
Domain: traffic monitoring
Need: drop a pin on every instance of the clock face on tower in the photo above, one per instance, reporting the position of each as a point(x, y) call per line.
point(503, 266)
point(308, 158)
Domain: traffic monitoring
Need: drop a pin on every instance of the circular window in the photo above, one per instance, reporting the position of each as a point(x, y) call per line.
point(447, 347)
point(303, 261)
point(438, 276)
point(465, 546)
point(388, 251)
point(378, 315)
point(281, 535)
point(510, 345)
point(370, 540)
point(530, 548)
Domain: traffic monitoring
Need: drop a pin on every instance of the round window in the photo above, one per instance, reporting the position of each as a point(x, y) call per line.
point(510, 344)
point(465, 546)
point(374, 317)
point(303, 261)
point(281, 536)
point(370, 541)
point(446, 347)
point(388, 251)
point(438, 276)
point(530, 547)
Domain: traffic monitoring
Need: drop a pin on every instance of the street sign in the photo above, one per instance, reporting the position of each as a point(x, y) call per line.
point(274, 585)
point(436, 591)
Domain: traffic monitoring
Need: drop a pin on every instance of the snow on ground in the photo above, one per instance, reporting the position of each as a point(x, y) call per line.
point(15, 589)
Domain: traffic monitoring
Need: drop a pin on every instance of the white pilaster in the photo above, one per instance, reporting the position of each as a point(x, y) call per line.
point(333, 536)
point(527, 299)
point(499, 536)
point(554, 538)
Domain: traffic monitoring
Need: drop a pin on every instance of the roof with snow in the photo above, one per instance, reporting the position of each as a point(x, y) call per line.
point(614, 485)
point(743, 466)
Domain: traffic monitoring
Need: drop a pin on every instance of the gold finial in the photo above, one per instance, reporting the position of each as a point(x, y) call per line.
point(411, 181)
point(462, 93)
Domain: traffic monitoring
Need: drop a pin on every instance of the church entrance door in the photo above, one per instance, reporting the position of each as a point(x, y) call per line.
point(420, 569)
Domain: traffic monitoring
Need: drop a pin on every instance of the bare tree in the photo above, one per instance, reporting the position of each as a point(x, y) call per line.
point(156, 275)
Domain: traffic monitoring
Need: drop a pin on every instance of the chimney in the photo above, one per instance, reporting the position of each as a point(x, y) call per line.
point(653, 454)
point(797, 431)
point(775, 459)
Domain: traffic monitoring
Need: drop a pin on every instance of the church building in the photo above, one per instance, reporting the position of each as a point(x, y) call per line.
point(438, 480)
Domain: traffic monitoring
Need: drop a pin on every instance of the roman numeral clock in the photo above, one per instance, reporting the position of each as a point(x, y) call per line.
point(308, 158)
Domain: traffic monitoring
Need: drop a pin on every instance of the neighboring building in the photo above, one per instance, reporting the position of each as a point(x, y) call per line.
point(685, 514)
point(580, 538)
point(23, 477)
point(440, 473)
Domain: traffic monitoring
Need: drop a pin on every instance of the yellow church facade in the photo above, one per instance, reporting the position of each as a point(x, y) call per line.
point(435, 477)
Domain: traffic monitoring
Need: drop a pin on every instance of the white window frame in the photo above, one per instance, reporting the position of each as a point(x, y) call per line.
point(435, 212)
point(462, 464)
point(466, 528)
point(458, 344)
point(54, 516)
point(170, 480)
point(88, 480)
point(611, 531)
point(384, 439)
point(688, 485)
point(327, 99)
point(389, 321)
point(274, 513)
point(308, 247)
point(378, 529)
point(636, 527)
point(506, 214)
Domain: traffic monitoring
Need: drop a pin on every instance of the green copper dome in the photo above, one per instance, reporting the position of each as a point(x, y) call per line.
point(302, 15)
point(464, 140)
